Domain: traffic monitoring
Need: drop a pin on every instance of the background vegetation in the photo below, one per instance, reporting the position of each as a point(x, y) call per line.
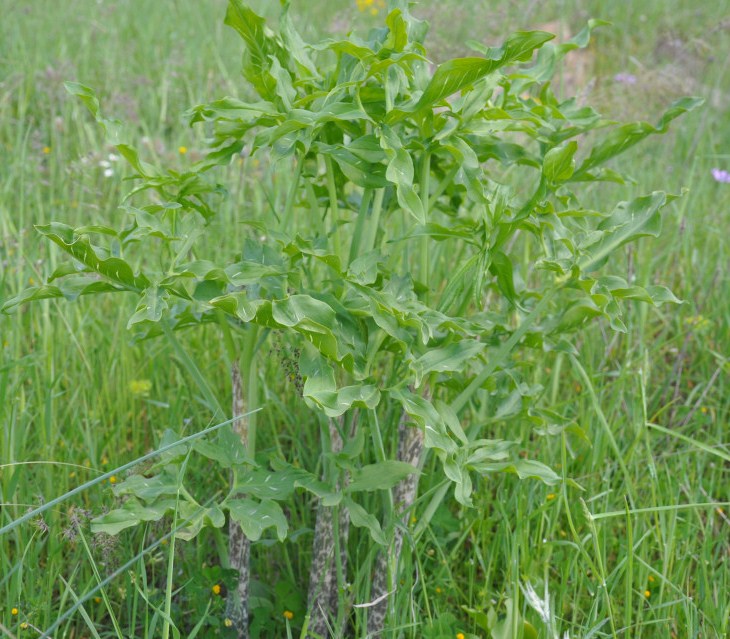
point(75, 394)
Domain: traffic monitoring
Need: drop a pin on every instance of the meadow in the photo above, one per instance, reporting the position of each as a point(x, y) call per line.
point(633, 541)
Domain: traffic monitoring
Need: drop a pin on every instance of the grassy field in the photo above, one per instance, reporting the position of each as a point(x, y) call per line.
point(77, 398)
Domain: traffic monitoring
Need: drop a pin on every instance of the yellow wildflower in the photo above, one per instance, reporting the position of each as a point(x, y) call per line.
point(647, 593)
point(550, 496)
point(113, 479)
point(216, 589)
point(288, 615)
point(227, 622)
point(460, 635)
point(46, 150)
point(14, 611)
point(182, 150)
point(140, 387)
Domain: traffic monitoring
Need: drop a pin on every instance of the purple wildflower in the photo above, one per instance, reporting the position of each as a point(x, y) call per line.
point(721, 176)
point(625, 78)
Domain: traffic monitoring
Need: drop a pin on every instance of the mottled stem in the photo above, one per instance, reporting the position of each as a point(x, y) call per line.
point(239, 547)
point(324, 584)
point(410, 450)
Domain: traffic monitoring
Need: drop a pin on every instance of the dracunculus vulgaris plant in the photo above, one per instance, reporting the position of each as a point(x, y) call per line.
point(432, 228)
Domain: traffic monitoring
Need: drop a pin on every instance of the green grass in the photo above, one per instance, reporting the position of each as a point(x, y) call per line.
point(69, 376)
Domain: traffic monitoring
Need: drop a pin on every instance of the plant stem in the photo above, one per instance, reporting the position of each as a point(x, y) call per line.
point(360, 225)
point(239, 547)
point(410, 450)
point(425, 259)
point(291, 196)
point(334, 207)
point(329, 549)
point(374, 221)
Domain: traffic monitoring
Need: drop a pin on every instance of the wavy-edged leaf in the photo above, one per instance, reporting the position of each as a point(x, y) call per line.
point(112, 127)
point(452, 357)
point(379, 476)
point(397, 31)
point(131, 514)
point(627, 222)
point(226, 449)
point(150, 307)
point(321, 392)
point(363, 519)
point(260, 45)
point(148, 489)
point(625, 136)
point(254, 517)
point(81, 249)
point(198, 518)
point(559, 162)
point(425, 415)
point(454, 75)
point(70, 288)
point(523, 468)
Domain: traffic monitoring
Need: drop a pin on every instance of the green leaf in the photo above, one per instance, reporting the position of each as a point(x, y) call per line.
point(453, 357)
point(238, 305)
point(380, 476)
point(227, 449)
point(295, 45)
point(335, 403)
point(478, 616)
point(80, 248)
point(198, 518)
point(400, 173)
point(320, 389)
point(501, 266)
point(260, 45)
point(131, 514)
point(150, 307)
point(559, 162)
point(458, 473)
point(309, 482)
point(255, 517)
point(112, 127)
point(266, 484)
point(627, 222)
point(456, 74)
point(577, 314)
point(398, 31)
point(523, 468)
point(71, 288)
point(358, 170)
point(427, 417)
point(148, 489)
point(363, 519)
point(627, 135)
point(171, 455)
point(319, 323)
point(144, 169)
